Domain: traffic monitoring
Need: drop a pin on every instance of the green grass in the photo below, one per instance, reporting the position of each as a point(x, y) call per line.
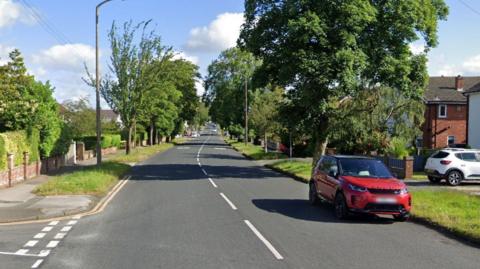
point(91, 180)
point(456, 211)
point(419, 176)
point(255, 152)
point(181, 140)
point(139, 154)
point(296, 168)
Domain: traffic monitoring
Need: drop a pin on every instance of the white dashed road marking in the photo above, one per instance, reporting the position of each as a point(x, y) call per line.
point(39, 235)
point(37, 264)
point(47, 229)
point(59, 236)
point(264, 240)
point(213, 183)
point(22, 251)
point(53, 244)
point(228, 201)
point(31, 243)
point(53, 223)
point(72, 222)
point(66, 228)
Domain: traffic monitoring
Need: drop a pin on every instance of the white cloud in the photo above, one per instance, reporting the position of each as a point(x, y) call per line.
point(11, 12)
point(183, 55)
point(472, 65)
point(220, 34)
point(417, 48)
point(69, 57)
point(199, 86)
point(4, 51)
point(440, 66)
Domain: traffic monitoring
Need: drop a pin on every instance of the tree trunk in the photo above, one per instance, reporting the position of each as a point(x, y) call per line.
point(129, 140)
point(319, 151)
point(134, 133)
point(265, 143)
point(150, 138)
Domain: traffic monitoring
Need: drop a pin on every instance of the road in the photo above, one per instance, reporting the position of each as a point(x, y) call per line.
point(231, 214)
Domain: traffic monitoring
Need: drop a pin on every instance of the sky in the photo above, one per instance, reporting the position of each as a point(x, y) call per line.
point(57, 37)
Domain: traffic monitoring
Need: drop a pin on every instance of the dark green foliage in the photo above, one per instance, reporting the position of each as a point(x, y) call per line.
point(108, 140)
point(33, 142)
point(16, 143)
point(3, 154)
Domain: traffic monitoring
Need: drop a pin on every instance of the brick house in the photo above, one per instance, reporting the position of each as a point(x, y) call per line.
point(473, 119)
point(446, 111)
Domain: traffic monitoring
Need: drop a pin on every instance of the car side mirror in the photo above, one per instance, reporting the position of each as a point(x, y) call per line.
point(332, 173)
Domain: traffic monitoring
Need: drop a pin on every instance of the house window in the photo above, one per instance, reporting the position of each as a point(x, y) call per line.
point(442, 111)
point(451, 140)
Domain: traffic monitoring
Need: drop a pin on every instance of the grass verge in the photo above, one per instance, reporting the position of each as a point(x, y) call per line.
point(454, 211)
point(255, 152)
point(90, 180)
point(181, 140)
point(97, 180)
point(419, 176)
point(299, 170)
point(139, 154)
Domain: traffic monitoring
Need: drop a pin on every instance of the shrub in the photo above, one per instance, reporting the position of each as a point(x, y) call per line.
point(398, 148)
point(90, 142)
point(106, 141)
point(17, 143)
point(116, 140)
point(3, 154)
point(34, 143)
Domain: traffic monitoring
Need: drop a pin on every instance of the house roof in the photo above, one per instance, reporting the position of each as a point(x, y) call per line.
point(108, 114)
point(442, 90)
point(474, 89)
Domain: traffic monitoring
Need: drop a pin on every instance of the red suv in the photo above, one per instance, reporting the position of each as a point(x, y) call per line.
point(359, 185)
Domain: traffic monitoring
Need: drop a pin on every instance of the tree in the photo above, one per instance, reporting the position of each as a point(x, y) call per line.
point(133, 70)
point(264, 112)
point(325, 50)
point(80, 117)
point(224, 85)
point(201, 115)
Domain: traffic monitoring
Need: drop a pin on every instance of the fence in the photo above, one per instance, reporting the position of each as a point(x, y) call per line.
point(403, 168)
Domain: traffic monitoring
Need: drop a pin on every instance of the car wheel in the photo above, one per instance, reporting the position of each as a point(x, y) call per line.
point(401, 217)
point(341, 209)
point(312, 194)
point(454, 178)
point(434, 179)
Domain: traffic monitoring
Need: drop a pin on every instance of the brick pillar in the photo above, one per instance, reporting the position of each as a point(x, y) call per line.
point(10, 168)
point(408, 168)
point(81, 151)
point(37, 168)
point(25, 164)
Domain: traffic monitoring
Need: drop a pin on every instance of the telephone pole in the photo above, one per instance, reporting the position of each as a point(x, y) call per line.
point(246, 110)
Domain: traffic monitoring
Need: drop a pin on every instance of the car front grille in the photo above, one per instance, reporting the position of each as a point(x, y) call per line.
point(384, 207)
point(383, 191)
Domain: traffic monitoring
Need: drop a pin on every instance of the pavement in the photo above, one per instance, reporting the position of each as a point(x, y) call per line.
point(203, 205)
point(19, 203)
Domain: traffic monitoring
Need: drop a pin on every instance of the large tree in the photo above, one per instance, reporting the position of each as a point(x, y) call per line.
point(325, 50)
point(133, 71)
point(224, 85)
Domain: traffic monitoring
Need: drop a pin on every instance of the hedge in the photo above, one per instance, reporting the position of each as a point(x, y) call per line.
point(17, 143)
point(108, 140)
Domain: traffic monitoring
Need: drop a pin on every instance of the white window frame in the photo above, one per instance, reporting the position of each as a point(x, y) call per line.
point(440, 109)
point(448, 140)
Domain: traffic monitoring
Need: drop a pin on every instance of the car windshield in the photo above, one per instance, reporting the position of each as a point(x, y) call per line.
point(364, 168)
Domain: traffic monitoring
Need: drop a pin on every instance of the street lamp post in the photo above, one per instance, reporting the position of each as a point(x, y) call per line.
point(97, 86)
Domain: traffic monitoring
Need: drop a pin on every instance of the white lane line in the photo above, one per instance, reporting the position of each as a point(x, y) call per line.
point(22, 251)
point(39, 235)
point(53, 244)
point(19, 254)
point(37, 263)
point(44, 253)
point(66, 229)
point(228, 201)
point(198, 160)
point(53, 223)
point(213, 183)
point(31, 243)
point(77, 217)
point(47, 229)
point(72, 222)
point(199, 164)
point(264, 240)
point(59, 236)
point(205, 172)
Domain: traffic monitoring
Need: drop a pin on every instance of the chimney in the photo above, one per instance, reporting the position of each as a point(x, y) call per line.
point(459, 83)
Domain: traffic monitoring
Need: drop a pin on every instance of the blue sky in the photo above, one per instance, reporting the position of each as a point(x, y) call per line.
point(198, 29)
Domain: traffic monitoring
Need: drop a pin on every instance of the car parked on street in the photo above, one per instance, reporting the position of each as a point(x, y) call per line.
point(360, 185)
point(454, 165)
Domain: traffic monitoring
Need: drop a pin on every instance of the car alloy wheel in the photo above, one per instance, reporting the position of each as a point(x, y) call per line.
point(454, 178)
point(341, 210)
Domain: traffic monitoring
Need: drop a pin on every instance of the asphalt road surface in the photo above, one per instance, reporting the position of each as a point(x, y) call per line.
point(202, 205)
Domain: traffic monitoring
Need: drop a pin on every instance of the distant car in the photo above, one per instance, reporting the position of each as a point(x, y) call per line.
point(361, 185)
point(195, 134)
point(453, 165)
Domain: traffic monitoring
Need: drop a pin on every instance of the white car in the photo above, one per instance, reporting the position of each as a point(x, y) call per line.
point(453, 165)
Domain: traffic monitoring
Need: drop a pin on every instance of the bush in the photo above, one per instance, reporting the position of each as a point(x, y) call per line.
point(17, 143)
point(34, 143)
point(106, 141)
point(398, 148)
point(116, 140)
point(90, 142)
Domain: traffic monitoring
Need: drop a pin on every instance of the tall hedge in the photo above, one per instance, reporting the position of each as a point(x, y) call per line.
point(108, 140)
point(17, 143)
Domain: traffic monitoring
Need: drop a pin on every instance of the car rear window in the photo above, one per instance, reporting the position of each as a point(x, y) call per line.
point(440, 155)
point(468, 156)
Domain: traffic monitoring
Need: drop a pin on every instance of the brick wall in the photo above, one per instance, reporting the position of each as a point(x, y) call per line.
point(19, 174)
point(436, 130)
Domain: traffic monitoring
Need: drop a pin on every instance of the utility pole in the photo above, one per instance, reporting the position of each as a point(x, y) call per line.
point(246, 110)
point(97, 86)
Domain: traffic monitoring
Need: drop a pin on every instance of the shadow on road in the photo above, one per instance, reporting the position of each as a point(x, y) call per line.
point(222, 156)
point(301, 209)
point(172, 172)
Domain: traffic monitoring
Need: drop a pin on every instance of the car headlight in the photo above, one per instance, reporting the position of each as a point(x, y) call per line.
point(404, 191)
point(357, 188)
